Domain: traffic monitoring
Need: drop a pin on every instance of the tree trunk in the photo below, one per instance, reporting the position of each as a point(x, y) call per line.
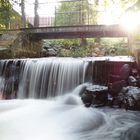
point(36, 17)
point(83, 42)
point(23, 18)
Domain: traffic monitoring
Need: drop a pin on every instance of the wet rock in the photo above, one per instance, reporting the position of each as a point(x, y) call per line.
point(48, 51)
point(87, 99)
point(135, 77)
point(132, 81)
point(130, 97)
point(95, 94)
point(116, 87)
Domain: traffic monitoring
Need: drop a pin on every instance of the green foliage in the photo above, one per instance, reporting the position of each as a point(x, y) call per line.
point(82, 12)
point(130, 5)
point(64, 43)
point(75, 51)
point(135, 6)
point(9, 18)
point(5, 13)
point(72, 48)
point(75, 13)
point(115, 46)
point(78, 12)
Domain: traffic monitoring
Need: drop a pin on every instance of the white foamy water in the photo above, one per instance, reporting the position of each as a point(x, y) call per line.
point(64, 118)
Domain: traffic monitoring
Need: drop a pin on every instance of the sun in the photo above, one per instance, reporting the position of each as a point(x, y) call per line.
point(130, 21)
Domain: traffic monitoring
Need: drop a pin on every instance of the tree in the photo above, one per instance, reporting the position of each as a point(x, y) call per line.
point(5, 13)
point(76, 12)
point(135, 6)
point(23, 17)
point(36, 17)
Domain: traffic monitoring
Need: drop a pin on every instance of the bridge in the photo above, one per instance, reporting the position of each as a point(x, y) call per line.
point(76, 31)
point(79, 31)
point(7, 37)
point(62, 32)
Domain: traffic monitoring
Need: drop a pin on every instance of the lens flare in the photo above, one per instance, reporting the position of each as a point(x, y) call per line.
point(130, 21)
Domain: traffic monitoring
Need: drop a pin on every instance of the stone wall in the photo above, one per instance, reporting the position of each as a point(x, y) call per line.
point(18, 45)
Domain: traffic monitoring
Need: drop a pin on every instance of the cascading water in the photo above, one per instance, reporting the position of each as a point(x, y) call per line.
point(46, 77)
point(63, 117)
point(9, 78)
point(51, 77)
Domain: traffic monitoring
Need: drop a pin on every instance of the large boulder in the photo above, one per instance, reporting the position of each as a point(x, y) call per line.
point(96, 95)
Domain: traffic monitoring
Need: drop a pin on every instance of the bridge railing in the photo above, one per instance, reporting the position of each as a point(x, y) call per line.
point(47, 22)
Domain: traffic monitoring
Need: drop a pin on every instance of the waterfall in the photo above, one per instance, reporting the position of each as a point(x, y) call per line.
point(9, 78)
point(42, 78)
point(49, 77)
point(61, 117)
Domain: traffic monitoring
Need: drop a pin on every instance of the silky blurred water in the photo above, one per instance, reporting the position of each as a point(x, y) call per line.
point(65, 118)
point(62, 115)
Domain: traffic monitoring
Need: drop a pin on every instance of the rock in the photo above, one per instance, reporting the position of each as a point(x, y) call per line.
point(97, 50)
point(130, 97)
point(87, 99)
point(132, 81)
point(116, 87)
point(95, 94)
point(48, 50)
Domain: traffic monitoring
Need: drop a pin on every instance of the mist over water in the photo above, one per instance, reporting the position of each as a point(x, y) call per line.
point(64, 117)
